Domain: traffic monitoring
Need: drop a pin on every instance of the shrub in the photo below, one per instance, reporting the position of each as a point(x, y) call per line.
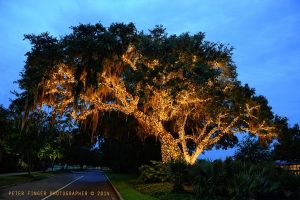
point(209, 179)
point(289, 184)
point(178, 173)
point(154, 173)
point(232, 179)
point(249, 181)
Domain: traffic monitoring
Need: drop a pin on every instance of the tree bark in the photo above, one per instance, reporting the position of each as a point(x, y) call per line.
point(29, 163)
point(169, 147)
point(52, 165)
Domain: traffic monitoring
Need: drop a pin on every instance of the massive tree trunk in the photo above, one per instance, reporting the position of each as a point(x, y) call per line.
point(169, 147)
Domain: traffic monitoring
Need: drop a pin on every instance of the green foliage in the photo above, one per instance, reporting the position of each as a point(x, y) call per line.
point(249, 181)
point(126, 189)
point(154, 173)
point(25, 142)
point(234, 179)
point(50, 152)
point(210, 179)
point(78, 148)
point(124, 148)
point(154, 77)
point(5, 125)
point(288, 146)
point(249, 149)
point(224, 180)
point(19, 179)
point(5, 129)
point(218, 180)
point(34, 142)
point(178, 171)
point(154, 189)
point(162, 191)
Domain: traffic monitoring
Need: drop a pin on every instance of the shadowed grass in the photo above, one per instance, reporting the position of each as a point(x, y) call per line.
point(131, 189)
point(18, 179)
point(121, 182)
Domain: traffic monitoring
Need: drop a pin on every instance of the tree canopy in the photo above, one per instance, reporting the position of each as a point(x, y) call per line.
point(180, 88)
point(249, 149)
point(288, 146)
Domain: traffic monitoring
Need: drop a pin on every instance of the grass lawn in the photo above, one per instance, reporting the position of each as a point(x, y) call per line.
point(131, 189)
point(122, 184)
point(162, 191)
point(18, 179)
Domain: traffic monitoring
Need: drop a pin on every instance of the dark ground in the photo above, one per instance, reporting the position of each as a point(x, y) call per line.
point(90, 184)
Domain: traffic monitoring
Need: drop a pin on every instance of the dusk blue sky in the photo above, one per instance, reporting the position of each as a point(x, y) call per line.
point(264, 33)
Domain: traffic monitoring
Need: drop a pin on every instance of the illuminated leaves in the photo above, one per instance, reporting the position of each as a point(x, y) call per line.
point(182, 89)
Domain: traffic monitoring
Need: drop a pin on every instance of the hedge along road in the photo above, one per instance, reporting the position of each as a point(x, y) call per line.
point(90, 184)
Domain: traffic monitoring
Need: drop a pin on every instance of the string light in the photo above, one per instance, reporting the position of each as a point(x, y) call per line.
point(161, 106)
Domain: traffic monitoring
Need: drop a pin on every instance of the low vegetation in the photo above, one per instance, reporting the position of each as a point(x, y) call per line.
point(219, 180)
point(18, 179)
point(123, 184)
point(132, 188)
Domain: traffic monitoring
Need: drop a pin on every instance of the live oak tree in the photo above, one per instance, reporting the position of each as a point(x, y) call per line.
point(179, 88)
point(124, 147)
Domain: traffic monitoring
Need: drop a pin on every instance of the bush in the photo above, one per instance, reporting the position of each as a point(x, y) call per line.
point(233, 179)
point(250, 181)
point(154, 173)
point(178, 173)
point(289, 184)
point(209, 179)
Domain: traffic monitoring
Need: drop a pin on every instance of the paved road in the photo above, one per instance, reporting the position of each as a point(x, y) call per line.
point(90, 184)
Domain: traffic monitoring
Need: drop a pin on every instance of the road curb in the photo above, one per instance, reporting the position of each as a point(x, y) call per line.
point(117, 192)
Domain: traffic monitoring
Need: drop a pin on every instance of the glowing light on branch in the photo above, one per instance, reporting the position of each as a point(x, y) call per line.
point(187, 107)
